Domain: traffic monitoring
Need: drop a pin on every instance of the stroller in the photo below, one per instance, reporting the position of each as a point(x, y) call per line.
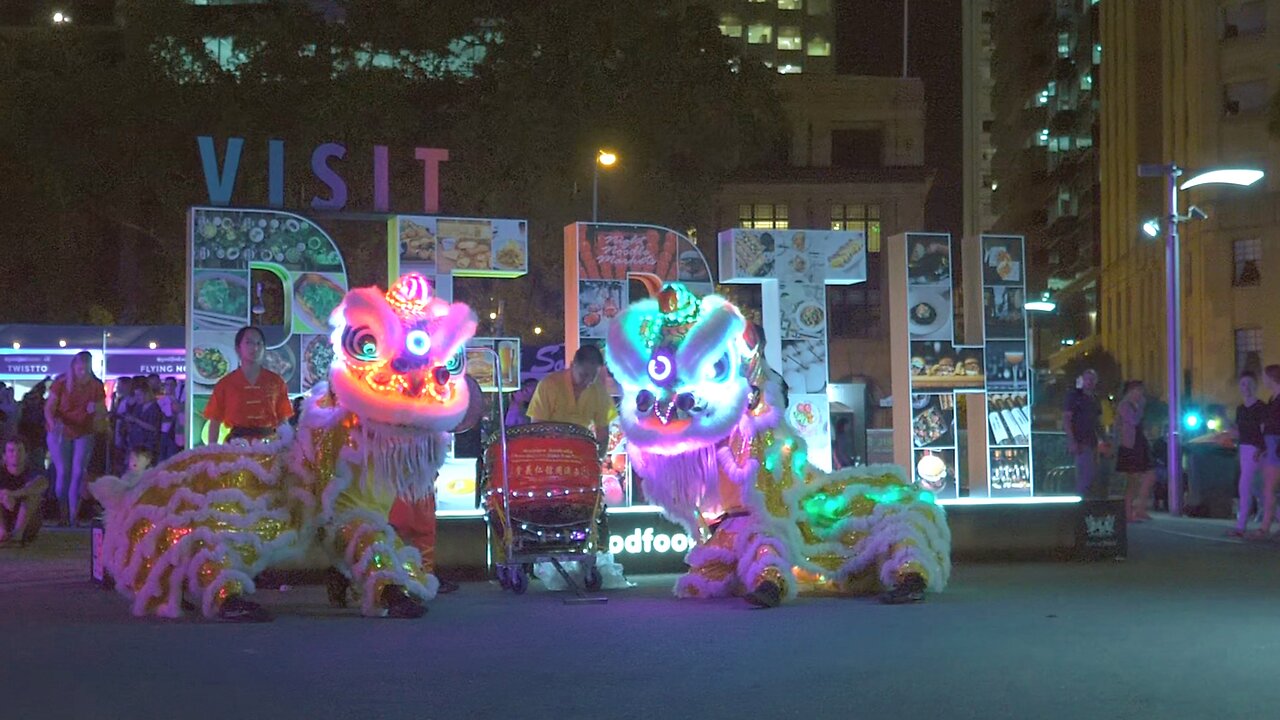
point(542, 494)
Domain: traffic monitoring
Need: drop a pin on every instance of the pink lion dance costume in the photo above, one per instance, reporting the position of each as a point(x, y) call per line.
point(704, 430)
point(199, 527)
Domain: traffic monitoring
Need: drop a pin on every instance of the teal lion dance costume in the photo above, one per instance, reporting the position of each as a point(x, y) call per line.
point(705, 431)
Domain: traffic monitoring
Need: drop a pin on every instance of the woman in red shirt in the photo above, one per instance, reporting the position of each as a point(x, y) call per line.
point(252, 401)
point(77, 401)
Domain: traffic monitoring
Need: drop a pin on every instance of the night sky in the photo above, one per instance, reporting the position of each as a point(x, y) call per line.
point(869, 42)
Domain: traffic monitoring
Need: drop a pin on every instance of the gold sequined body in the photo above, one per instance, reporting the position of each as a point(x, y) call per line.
point(203, 524)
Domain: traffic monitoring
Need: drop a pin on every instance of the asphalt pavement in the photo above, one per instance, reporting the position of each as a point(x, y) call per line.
point(1187, 627)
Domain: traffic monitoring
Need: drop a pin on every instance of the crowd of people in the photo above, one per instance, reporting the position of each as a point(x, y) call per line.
point(64, 432)
point(1255, 431)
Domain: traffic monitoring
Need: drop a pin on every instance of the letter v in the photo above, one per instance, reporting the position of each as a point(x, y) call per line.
point(220, 184)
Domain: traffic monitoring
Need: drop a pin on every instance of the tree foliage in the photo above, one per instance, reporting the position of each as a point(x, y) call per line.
point(99, 130)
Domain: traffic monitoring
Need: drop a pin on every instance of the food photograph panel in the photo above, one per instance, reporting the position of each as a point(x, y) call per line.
point(213, 357)
point(928, 260)
point(315, 295)
point(599, 301)
point(464, 245)
point(929, 312)
point(1010, 472)
point(417, 244)
point(804, 365)
point(221, 299)
point(753, 253)
point(283, 361)
point(510, 246)
point(933, 420)
point(935, 471)
point(848, 261)
point(1008, 419)
point(693, 267)
point(1007, 365)
point(1003, 312)
point(314, 361)
point(803, 311)
point(938, 365)
point(1002, 261)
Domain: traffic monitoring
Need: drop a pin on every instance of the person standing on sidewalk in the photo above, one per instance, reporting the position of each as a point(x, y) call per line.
point(1080, 420)
point(1271, 453)
point(1133, 459)
point(1247, 431)
point(77, 402)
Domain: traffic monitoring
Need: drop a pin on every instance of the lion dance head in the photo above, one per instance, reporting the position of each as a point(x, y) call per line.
point(690, 369)
point(399, 356)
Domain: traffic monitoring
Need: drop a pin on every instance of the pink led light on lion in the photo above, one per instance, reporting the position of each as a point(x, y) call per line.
point(706, 432)
point(196, 529)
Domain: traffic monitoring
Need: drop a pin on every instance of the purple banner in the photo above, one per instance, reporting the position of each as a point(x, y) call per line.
point(34, 364)
point(539, 362)
point(162, 362)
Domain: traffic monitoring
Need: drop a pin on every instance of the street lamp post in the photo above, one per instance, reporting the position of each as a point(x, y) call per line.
point(605, 159)
point(1173, 297)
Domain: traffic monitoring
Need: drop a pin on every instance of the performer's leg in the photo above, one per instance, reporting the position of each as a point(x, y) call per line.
point(712, 566)
point(762, 565)
point(906, 544)
point(387, 573)
point(415, 523)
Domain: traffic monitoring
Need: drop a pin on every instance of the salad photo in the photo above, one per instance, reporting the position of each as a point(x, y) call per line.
point(212, 360)
point(315, 296)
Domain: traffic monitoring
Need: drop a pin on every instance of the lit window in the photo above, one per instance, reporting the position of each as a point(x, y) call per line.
point(1064, 44)
point(758, 1)
point(1042, 138)
point(1097, 53)
point(730, 26)
point(819, 7)
point(859, 217)
point(1249, 349)
point(790, 69)
point(759, 34)
point(1086, 81)
point(789, 38)
point(1248, 261)
point(818, 47)
point(763, 216)
point(1084, 141)
point(788, 4)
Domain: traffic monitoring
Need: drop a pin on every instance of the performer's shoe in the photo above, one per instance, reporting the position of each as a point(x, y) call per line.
point(910, 589)
point(400, 604)
point(338, 587)
point(766, 595)
point(237, 609)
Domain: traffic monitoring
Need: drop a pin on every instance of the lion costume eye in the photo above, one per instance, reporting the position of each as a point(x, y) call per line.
point(719, 372)
point(456, 361)
point(360, 343)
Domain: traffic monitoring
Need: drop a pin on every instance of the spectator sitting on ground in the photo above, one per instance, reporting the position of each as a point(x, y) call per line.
point(21, 495)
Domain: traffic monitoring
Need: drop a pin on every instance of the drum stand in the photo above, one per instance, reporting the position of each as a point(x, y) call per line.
point(581, 596)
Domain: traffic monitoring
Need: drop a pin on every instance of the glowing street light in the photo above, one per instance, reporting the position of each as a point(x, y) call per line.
point(61, 18)
point(1173, 290)
point(537, 330)
point(1228, 176)
point(152, 345)
point(604, 159)
point(1151, 228)
point(62, 343)
point(17, 346)
point(1044, 304)
point(493, 316)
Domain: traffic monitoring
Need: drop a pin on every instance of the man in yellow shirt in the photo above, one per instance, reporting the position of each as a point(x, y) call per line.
point(576, 395)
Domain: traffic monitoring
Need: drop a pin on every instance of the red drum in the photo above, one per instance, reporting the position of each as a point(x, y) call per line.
point(552, 472)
